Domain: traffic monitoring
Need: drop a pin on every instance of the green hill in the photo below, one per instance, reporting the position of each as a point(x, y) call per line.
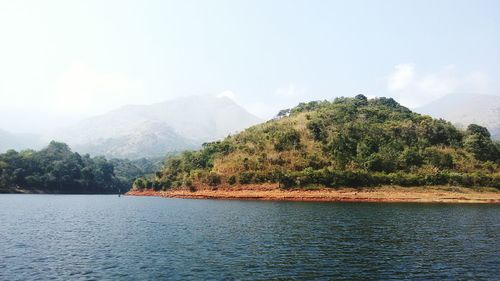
point(348, 142)
point(56, 169)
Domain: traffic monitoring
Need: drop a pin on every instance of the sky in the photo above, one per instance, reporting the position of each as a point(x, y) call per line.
point(61, 61)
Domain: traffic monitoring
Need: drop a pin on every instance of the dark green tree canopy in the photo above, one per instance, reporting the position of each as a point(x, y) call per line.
point(56, 169)
point(478, 142)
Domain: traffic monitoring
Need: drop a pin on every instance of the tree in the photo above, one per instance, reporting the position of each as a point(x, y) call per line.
point(478, 142)
point(140, 183)
point(283, 113)
point(361, 100)
point(474, 129)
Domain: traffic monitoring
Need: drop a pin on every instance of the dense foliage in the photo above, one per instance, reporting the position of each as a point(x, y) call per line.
point(56, 169)
point(128, 170)
point(347, 142)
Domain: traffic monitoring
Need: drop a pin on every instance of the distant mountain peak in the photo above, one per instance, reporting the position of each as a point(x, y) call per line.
point(18, 141)
point(187, 121)
point(464, 109)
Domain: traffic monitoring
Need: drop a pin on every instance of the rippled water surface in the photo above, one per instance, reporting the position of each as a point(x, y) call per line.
point(139, 238)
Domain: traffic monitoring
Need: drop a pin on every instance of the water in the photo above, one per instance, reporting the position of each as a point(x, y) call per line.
point(96, 237)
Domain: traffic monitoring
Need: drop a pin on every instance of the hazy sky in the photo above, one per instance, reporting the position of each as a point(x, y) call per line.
point(63, 59)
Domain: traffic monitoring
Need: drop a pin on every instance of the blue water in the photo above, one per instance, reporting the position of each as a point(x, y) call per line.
point(65, 237)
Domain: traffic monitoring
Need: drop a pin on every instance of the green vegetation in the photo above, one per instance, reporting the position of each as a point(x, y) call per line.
point(56, 169)
point(348, 142)
point(127, 170)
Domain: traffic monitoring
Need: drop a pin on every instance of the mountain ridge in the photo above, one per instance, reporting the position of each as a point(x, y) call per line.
point(177, 124)
point(18, 141)
point(464, 109)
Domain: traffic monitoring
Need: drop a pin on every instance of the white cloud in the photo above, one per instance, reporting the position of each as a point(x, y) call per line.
point(227, 94)
point(413, 89)
point(82, 89)
point(401, 78)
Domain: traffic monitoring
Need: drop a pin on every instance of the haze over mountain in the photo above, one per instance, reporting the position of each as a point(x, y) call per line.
point(465, 109)
point(18, 141)
point(136, 131)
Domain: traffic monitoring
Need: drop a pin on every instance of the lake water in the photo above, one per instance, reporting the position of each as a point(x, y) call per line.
point(96, 237)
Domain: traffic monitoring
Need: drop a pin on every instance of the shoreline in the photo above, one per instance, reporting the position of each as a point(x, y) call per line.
point(386, 194)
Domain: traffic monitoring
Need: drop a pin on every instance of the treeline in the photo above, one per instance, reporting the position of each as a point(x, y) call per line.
point(127, 170)
point(347, 142)
point(56, 169)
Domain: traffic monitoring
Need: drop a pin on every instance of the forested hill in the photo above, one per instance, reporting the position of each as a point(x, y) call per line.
point(347, 142)
point(56, 169)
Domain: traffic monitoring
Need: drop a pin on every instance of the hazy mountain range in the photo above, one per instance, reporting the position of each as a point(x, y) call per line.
point(137, 131)
point(153, 130)
point(465, 109)
point(18, 141)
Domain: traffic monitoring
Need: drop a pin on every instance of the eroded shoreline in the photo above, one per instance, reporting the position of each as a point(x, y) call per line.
point(442, 194)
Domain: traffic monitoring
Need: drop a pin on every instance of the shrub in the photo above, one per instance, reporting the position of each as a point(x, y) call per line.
point(246, 177)
point(287, 181)
point(439, 158)
point(231, 180)
point(188, 182)
point(156, 185)
point(213, 179)
point(261, 177)
point(289, 139)
point(140, 183)
point(411, 157)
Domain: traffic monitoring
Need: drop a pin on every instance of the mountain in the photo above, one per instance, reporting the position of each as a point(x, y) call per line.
point(137, 131)
point(347, 142)
point(149, 139)
point(465, 109)
point(18, 141)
